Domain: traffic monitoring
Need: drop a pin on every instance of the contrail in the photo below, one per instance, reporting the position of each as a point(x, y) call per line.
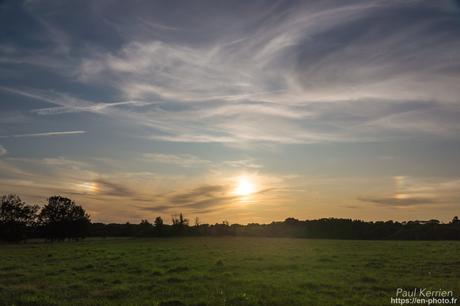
point(44, 134)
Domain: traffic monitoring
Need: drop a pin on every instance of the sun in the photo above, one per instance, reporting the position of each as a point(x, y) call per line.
point(244, 187)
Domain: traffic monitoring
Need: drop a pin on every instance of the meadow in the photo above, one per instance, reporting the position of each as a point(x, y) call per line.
point(223, 271)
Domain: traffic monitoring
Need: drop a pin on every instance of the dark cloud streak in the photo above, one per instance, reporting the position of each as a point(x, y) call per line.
point(399, 202)
point(203, 198)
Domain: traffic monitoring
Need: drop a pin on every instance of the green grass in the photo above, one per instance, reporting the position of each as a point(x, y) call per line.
point(223, 271)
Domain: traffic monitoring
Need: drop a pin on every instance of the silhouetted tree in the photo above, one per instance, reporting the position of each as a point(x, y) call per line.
point(158, 222)
point(61, 218)
point(326, 228)
point(159, 226)
point(145, 228)
point(15, 218)
point(179, 224)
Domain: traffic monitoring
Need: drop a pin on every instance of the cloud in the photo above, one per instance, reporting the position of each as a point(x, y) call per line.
point(207, 197)
point(115, 195)
point(244, 74)
point(207, 191)
point(105, 187)
point(192, 161)
point(96, 108)
point(45, 134)
point(330, 121)
point(201, 199)
point(243, 163)
point(286, 66)
point(64, 163)
point(399, 202)
point(304, 72)
point(412, 191)
point(3, 151)
point(182, 160)
point(52, 97)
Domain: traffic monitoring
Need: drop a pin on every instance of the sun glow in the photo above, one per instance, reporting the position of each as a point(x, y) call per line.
point(244, 187)
point(88, 187)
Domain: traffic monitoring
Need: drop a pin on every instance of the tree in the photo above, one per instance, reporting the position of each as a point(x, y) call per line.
point(179, 224)
point(158, 222)
point(61, 218)
point(158, 226)
point(15, 218)
point(145, 228)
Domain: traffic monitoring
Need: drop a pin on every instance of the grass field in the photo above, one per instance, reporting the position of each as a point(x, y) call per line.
point(223, 271)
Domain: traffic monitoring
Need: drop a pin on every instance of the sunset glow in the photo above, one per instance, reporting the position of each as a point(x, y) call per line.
point(311, 109)
point(229, 152)
point(244, 187)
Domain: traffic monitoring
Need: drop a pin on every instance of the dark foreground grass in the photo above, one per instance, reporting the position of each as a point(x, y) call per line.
point(223, 271)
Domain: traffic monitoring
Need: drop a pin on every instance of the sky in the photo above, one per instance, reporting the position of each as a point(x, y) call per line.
point(244, 111)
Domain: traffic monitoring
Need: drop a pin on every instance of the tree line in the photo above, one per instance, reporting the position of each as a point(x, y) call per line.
point(60, 218)
point(326, 228)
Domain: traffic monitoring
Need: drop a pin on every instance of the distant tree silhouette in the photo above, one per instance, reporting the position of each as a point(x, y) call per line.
point(179, 224)
point(62, 219)
point(158, 222)
point(15, 218)
point(182, 220)
point(159, 226)
point(325, 228)
point(145, 228)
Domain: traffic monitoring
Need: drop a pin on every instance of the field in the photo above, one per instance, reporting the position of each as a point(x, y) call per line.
point(223, 271)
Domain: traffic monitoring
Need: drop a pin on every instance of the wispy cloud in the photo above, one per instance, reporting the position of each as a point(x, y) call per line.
point(314, 87)
point(193, 161)
point(247, 75)
point(206, 198)
point(3, 151)
point(300, 73)
point(45, 134)
point(106, 187)
point(182, 160)
point(96, 108)
point(63, 163)
point(411, 191)
point(243, 164)
point(399, 202)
